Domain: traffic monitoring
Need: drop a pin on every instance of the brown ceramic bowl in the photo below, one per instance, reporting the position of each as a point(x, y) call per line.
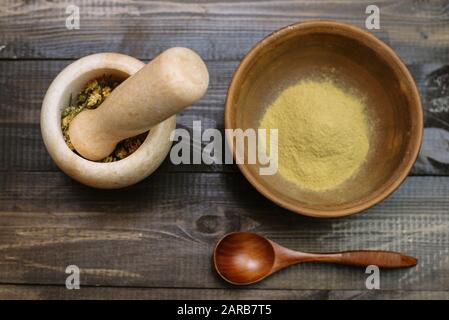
point(364, 64)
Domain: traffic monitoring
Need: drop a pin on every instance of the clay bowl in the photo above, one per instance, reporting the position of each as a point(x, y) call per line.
point(144, 161)
point(360, 62)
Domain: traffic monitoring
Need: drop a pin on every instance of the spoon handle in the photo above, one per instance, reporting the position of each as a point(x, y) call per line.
point(364, 258)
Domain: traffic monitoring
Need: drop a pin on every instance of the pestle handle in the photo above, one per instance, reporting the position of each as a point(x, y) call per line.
point(172, 81)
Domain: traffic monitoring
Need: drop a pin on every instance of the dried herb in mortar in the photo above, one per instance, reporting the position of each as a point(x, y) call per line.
point(92, 95)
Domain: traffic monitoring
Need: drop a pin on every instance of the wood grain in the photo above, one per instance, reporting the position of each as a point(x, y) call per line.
point(14, 292)
point(219, 30)
point(25, 83)
point(47, 222)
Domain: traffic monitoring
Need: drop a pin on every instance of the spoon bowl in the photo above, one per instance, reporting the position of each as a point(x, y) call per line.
point(243, 258)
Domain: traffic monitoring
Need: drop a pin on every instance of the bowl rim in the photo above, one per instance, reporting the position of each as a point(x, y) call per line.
point(392, 59)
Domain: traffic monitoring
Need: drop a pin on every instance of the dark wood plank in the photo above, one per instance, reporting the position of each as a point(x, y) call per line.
point(27, 292)
point(217, 30)
point(25, 83)
point(160, 232)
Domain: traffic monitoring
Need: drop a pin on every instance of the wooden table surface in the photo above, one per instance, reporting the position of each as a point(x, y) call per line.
point(154, 240)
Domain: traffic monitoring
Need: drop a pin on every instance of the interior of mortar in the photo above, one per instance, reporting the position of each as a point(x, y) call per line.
point(77, 84)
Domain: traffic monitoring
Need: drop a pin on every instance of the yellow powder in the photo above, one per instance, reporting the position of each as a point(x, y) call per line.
point(323, 134)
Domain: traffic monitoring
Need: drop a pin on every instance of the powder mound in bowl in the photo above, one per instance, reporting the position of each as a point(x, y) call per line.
point(323, 134)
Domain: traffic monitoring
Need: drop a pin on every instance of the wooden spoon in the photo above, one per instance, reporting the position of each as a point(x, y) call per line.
point(245, 258)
